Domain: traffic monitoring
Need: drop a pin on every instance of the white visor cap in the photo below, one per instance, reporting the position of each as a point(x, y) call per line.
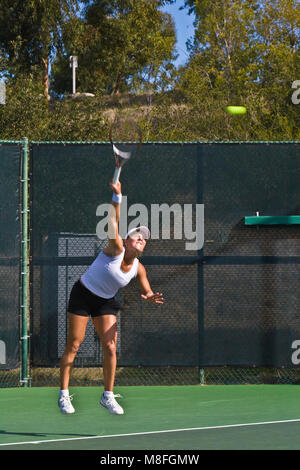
point(144, 231)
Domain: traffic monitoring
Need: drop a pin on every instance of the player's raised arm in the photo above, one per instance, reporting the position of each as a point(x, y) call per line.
point(115, 242)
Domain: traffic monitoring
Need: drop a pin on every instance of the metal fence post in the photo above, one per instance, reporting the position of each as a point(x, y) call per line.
point(24, 266)
point(200, 270)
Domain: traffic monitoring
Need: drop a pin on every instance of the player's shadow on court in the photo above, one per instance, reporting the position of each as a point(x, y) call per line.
point(36, 434)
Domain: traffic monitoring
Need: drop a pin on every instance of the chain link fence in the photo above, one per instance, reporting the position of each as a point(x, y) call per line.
point(10, 237)
point(232, 304)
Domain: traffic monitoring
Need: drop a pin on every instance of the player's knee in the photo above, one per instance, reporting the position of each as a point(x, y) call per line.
point(110, 348)
point(74, 346)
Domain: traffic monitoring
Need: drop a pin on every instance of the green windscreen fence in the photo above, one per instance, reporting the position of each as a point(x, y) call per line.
point(231, 287)
point(69, 185)
point(9, 262)
point(251, 307)
point(232, 298)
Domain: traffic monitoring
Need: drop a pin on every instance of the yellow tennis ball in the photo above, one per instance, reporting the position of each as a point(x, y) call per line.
point(236, 109)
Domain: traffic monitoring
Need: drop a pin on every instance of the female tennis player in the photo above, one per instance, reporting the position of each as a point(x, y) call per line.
point(94, 295)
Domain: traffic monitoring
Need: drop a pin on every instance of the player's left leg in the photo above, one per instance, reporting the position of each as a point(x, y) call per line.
point(106, 328)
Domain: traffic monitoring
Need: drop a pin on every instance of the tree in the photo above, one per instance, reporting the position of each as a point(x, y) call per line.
point(29, 33)
point(224, 49)
point(119, 43)
point(19, 45)
point(246, 52)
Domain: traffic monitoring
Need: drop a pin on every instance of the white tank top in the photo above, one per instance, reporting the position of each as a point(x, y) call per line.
point(104, 277)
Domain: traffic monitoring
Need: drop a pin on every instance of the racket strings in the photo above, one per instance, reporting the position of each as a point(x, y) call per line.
point(125, 129)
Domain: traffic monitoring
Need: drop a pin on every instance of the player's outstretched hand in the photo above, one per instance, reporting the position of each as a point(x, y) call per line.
point(156, 298)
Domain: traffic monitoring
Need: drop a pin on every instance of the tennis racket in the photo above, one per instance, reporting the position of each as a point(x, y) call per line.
point(126, 138)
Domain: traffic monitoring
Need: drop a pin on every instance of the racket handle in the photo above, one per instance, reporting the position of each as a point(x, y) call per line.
point(116, 175)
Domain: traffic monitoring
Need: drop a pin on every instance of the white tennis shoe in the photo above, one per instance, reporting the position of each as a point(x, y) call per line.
point(111, 404)
point(65, 405)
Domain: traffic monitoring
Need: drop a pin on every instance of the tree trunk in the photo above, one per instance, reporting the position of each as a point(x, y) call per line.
point(46, 77)
point(117, 85)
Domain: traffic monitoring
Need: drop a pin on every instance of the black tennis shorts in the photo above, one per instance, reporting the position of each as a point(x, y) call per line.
point(83, 302)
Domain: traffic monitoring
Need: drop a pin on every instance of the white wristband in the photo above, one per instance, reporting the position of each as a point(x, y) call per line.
point(117, 198)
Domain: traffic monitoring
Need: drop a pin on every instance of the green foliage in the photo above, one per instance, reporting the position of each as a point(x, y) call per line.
point(29, 31)
point(25, 114)
point(121, 46)
point(243, 53)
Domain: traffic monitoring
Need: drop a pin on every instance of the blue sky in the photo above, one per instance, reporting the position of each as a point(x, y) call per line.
point(184, 28)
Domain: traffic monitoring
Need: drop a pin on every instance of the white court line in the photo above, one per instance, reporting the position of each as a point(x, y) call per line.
point(154, 432)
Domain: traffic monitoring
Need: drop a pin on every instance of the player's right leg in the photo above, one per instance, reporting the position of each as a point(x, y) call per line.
point(76, 333)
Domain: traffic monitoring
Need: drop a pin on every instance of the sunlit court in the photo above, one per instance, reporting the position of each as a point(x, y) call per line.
point(157, 418)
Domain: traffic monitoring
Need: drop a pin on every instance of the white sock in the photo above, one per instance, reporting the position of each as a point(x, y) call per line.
point(108, 394)
point(63, 393)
